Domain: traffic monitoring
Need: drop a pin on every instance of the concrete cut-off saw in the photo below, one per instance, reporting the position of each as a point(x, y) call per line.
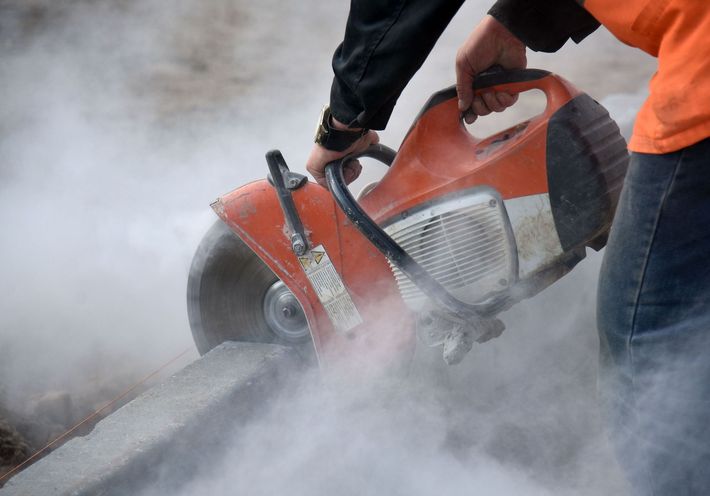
point(456, 231)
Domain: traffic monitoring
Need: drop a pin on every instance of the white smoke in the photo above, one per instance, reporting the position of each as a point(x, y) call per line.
point(320, 440)
point(121, 123)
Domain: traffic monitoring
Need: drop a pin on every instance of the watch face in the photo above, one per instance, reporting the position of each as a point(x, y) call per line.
point(322, 126)
point(333, 138)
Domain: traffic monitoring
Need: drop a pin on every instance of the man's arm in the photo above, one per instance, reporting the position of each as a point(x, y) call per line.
point(386, 42)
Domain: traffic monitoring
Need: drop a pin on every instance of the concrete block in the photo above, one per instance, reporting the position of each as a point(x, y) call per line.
point(180, 422)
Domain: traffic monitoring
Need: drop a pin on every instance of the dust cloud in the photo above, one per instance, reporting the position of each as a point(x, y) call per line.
point(121, 121)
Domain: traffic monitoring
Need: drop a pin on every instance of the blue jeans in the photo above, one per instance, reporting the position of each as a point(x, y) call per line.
point(653, 316)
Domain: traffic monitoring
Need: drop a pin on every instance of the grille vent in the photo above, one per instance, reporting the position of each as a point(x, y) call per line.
point(462, 242)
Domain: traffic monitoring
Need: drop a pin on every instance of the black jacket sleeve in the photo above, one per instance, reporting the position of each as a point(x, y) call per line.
point(544, 25)
point(387, 41)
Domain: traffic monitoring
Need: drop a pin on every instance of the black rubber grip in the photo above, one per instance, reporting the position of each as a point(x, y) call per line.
point(490, 77)
point(379, 152)
point(496, 76)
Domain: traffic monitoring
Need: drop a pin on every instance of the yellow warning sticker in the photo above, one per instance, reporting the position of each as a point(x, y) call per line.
point(318, 256)
point(330, 289)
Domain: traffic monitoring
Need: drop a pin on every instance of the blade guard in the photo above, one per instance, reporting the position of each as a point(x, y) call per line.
point(386, 334)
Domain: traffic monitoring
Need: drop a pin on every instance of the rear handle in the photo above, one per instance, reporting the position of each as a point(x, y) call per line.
point(556, 90)
point(497, 76)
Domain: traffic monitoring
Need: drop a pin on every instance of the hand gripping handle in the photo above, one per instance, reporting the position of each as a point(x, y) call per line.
point(557, 90)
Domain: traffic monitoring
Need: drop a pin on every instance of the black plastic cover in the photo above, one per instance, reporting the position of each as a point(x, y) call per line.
point(586, 165)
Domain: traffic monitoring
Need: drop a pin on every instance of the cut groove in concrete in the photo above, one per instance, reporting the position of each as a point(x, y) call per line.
point(181, 421)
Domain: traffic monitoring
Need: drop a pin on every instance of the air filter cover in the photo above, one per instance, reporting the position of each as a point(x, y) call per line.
point(464, 241)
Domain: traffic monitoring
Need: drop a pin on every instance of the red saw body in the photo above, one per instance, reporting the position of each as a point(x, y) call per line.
point(457, 230)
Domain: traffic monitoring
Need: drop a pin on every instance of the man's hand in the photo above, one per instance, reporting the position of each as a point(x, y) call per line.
point(489, 44)
point(321, 156)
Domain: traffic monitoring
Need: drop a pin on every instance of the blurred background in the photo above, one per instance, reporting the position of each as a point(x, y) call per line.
point(120, 122)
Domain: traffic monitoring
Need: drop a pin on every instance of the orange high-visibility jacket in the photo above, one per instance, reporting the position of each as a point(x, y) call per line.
point(677, 112)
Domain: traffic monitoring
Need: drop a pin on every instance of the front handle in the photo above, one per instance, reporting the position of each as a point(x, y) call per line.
point(389, 247)
point(383, 153)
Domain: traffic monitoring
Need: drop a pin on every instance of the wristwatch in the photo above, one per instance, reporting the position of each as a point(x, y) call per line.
point(332, 138)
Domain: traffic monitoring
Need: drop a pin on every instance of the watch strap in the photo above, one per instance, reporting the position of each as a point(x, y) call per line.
point(333, 138)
